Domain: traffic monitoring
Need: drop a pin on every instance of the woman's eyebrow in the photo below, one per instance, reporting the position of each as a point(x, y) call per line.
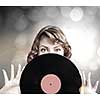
point(43, 46)
point(57, 46)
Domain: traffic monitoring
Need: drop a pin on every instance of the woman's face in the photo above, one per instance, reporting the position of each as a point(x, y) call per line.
point(47, 46)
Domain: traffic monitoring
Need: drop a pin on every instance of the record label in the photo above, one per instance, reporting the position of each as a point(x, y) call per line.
point(50, 84)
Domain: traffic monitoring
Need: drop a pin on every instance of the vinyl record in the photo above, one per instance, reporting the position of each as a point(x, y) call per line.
point(50, 73)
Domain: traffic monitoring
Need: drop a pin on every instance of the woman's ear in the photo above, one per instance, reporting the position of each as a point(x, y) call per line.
point(30, 56)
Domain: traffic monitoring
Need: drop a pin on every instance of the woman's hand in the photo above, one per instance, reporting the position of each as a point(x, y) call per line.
point(12, 85)
point(87, 87)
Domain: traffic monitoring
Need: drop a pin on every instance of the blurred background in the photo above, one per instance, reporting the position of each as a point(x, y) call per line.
point(81, 25)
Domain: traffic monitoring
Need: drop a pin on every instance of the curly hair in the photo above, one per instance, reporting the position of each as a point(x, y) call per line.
point(55, 34)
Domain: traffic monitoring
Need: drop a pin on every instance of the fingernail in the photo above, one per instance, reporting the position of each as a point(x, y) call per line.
point(11, 65)
point(19, 65)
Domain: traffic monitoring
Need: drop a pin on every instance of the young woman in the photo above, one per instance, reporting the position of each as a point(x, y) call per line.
point(50, 39)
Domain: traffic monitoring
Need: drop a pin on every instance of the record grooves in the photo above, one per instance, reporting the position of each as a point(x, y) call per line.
point(64, 74)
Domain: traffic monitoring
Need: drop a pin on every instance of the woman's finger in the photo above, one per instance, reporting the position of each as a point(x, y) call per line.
point(89, 80)
point(21, 71)
point(12, 72)
point(23, 68)
point(5, 76)
point(96, 86)
point(83, 78)
point(18, 71)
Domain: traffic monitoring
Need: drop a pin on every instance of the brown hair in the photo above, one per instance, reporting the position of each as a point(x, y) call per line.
point(55, 34)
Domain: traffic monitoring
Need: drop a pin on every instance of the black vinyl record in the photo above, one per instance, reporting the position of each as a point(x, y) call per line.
point(50, 64)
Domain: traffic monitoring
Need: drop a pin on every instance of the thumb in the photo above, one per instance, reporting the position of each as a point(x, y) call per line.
point(81, 89)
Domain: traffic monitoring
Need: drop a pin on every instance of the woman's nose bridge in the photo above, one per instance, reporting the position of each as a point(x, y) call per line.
point(51, 50)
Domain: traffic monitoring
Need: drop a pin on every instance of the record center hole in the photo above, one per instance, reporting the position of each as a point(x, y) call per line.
point(50, 84)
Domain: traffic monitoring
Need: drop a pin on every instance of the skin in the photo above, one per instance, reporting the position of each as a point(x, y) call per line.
point(46, 46)
point(87, 87)
point(11, 85)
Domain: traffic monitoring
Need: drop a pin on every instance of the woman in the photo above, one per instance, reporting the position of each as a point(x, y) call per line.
point(50, 39)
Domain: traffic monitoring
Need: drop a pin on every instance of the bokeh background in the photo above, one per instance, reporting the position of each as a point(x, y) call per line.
point(81, 25)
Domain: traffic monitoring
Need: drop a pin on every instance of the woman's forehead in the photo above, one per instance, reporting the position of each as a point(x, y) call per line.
point(47, 41)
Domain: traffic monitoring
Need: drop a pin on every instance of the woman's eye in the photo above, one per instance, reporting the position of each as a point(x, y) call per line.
point(43, 49)
point(57, 49)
